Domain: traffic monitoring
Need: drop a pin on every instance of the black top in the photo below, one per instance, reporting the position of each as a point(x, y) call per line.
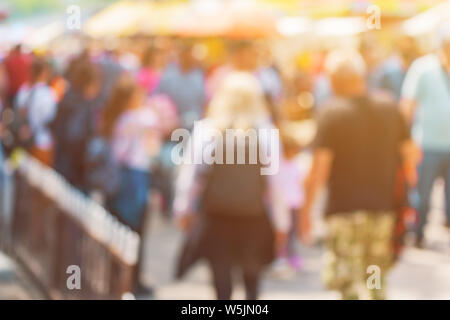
point(364, 135)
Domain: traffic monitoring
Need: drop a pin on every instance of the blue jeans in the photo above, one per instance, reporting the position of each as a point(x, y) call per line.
point(435, 164)
point(130, 202)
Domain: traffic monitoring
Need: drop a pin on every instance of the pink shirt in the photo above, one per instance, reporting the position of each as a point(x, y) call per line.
point(148, 79)
point(136, 139)
point(291, 177)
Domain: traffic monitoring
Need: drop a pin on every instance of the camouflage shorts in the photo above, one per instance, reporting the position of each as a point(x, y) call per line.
point(355, 241)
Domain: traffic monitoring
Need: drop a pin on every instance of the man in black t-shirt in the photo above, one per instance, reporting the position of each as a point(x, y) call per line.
point(358, 150)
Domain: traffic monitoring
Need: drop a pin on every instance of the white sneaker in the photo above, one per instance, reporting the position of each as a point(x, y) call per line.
point(282, 269)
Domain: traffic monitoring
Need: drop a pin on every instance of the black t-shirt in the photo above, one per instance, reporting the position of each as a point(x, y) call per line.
point(364, 135)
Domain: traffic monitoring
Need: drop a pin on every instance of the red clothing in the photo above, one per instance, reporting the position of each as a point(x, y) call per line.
point(17, 66)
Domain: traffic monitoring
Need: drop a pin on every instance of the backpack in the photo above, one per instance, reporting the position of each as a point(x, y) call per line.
point(74, 120)
point(102, 170)
point(235, 190)
point(18, 133)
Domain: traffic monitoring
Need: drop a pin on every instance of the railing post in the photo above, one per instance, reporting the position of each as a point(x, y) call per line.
point(56, 226)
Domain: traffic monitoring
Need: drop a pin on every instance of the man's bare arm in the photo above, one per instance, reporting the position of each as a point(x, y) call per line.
point(317, 179)
point(411, 157)
point(408, 109)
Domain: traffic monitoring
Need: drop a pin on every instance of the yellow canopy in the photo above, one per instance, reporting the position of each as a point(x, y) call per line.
point(333, 8)
point(184, 18)
point(248, 18)
point(127, 17)
point(118, 19)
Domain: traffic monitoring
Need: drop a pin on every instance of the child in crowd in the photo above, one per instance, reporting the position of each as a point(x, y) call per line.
point(292, 177)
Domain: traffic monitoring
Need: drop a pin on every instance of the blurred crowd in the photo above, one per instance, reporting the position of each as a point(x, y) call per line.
point(103, 118)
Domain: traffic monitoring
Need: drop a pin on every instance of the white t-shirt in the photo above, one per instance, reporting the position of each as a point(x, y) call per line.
point(41, 103)
point(428, 84)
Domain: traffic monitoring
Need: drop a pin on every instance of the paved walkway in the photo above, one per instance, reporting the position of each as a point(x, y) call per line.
point(14, 284)
point(420, 274)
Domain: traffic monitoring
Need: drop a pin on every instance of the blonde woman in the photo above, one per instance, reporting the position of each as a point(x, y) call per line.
point(229, 208)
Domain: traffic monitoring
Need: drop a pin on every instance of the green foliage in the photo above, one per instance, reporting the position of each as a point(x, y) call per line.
point(22, 8)
point(29, 7)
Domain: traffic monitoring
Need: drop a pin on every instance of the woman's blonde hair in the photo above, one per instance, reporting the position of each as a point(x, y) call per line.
point(239, 103)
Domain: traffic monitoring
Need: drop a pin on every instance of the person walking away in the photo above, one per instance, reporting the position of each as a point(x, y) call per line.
point(388, 73)
point(292, 175)
point(149, 76)
point(74, 123)
point(225, 207)
point(131, 128)
point(110, 70)
point(83, 58)
point(17, 65)
point(269, 77)
point(183, 82)
point(357, 151)
point(38, 101)
point(426, 103)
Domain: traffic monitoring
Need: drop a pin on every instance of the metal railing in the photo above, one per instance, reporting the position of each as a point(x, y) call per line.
point(54, 226)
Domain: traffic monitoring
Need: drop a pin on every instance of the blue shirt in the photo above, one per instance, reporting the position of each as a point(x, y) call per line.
point(187, 91)
point(428, 84)
point(388, 77)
